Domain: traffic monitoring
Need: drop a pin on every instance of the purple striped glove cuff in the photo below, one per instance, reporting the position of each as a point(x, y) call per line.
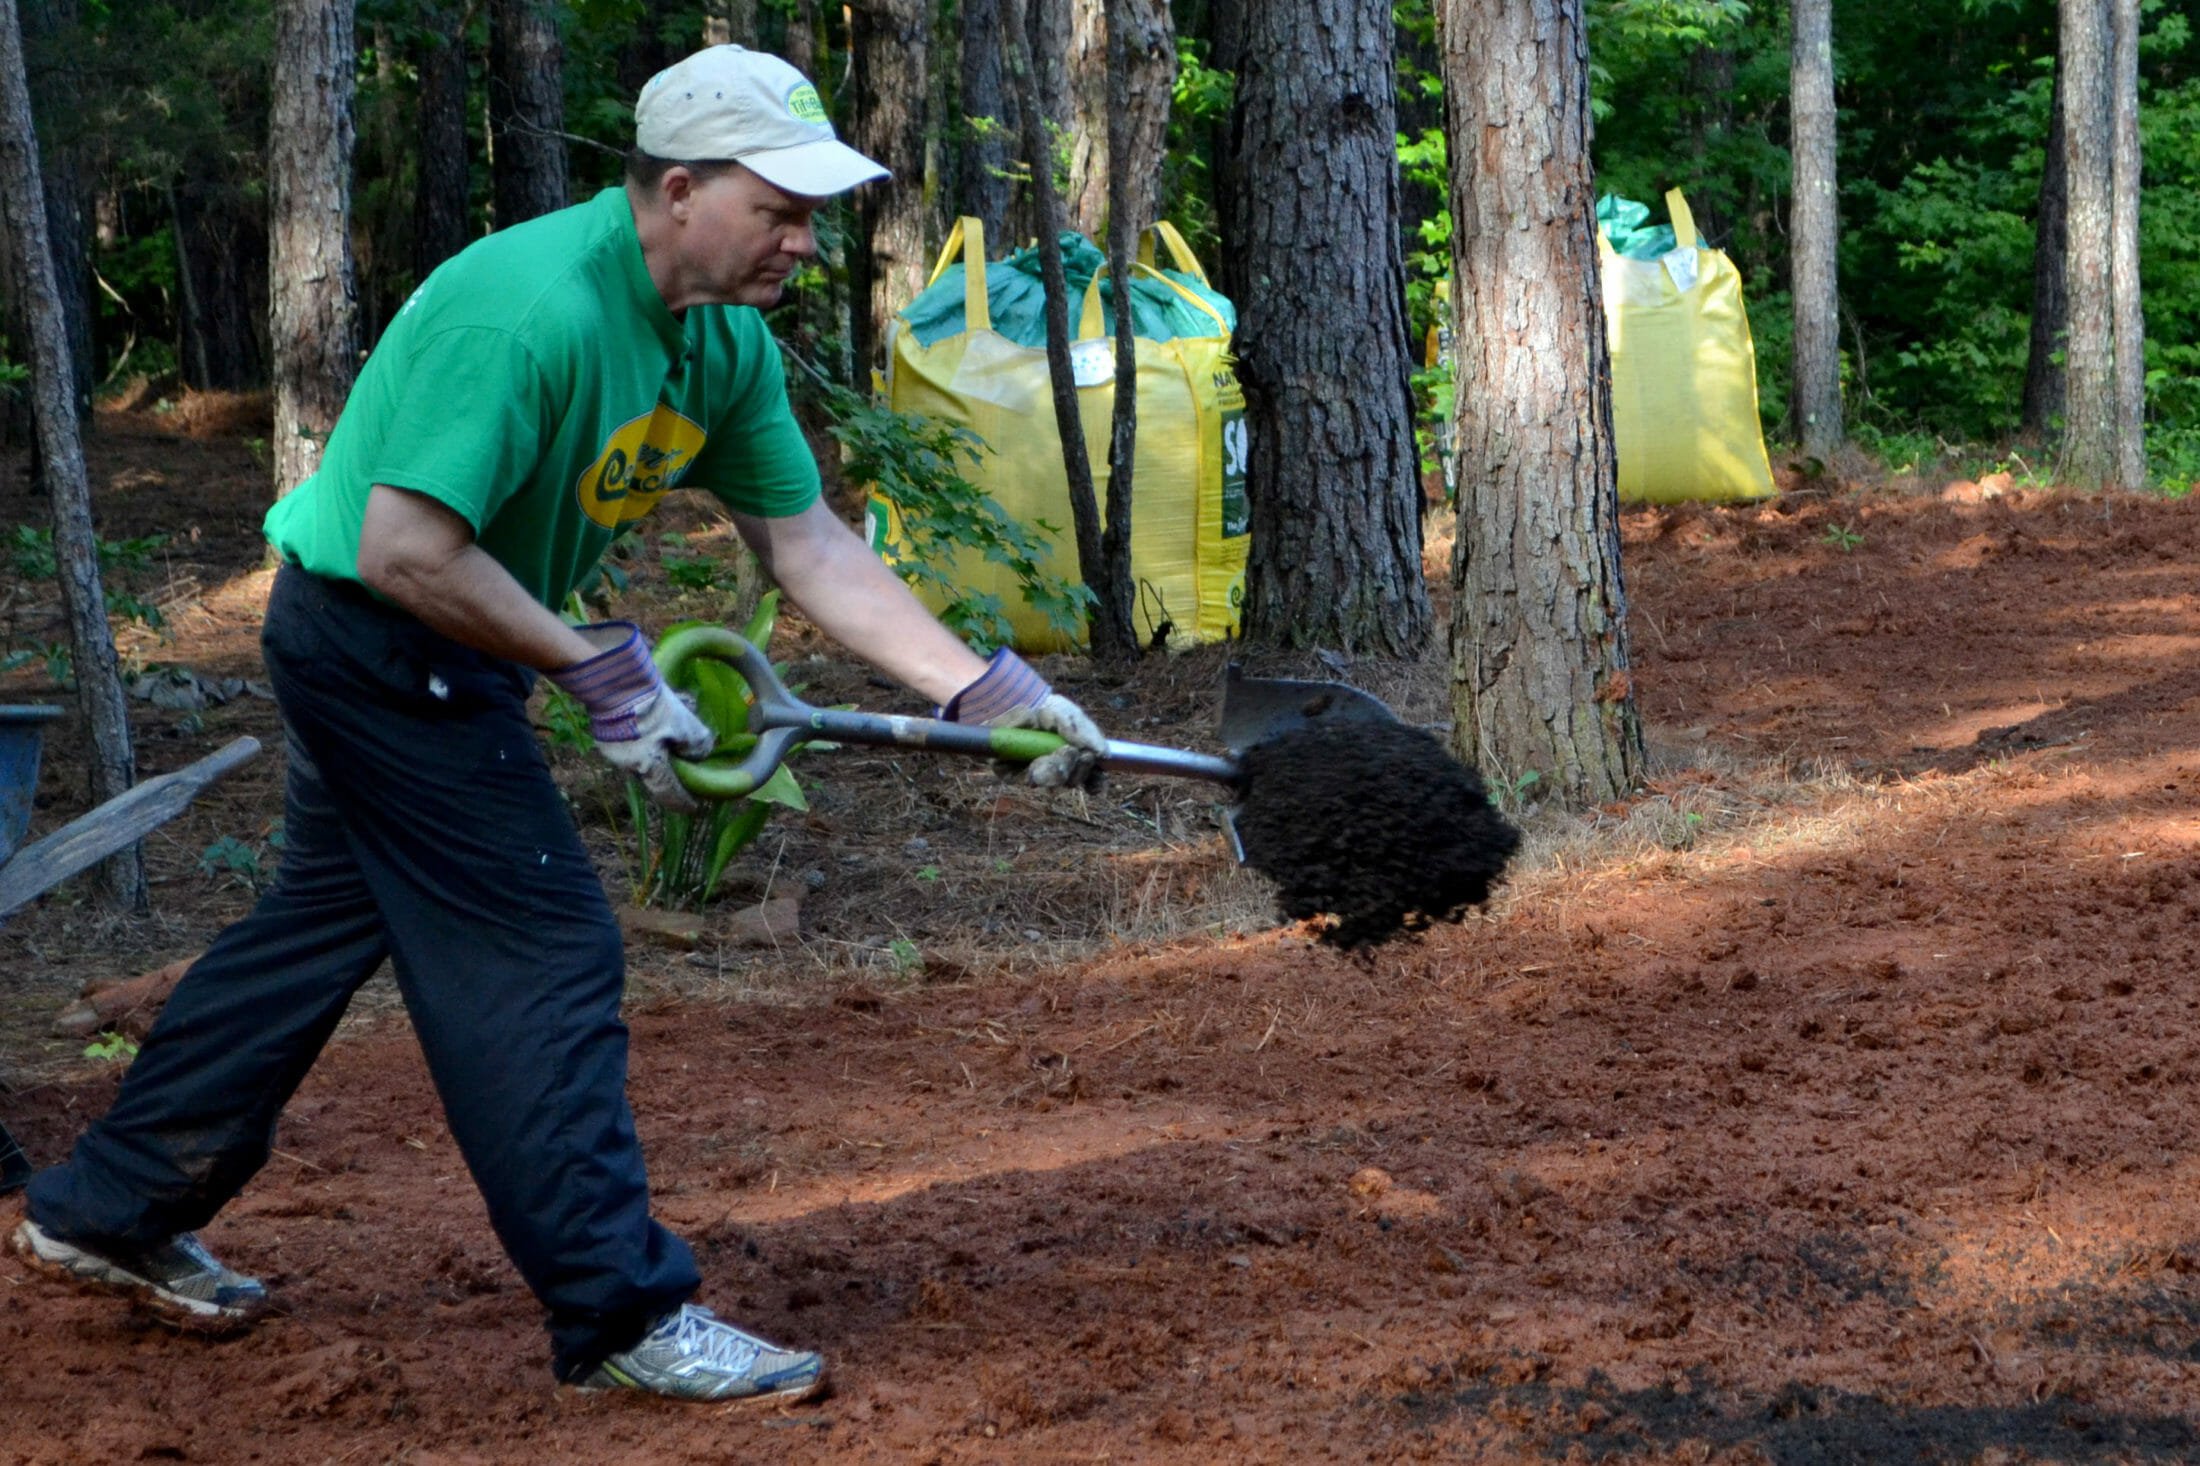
point(1007, 684)
point(615, 684)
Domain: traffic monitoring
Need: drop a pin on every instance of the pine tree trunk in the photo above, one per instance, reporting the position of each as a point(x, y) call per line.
point(76, 547)
point(888, 262)
point(56, 63)
point(1311, 212)
point(2044, 376)
point(986, 120)
point(1085, 197)
point(1541, 682)
point(801, 47)
point(1109, 620)
point(526, 110)
point(730, 23)
point(2089, 452)
point(1137, 127)
point(441, 222)
point(314, 321)
point(1815, 231)
point(2128, 318)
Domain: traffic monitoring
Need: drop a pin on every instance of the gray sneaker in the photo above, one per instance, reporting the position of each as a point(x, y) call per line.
point(693, 1355)
point(179, 1279)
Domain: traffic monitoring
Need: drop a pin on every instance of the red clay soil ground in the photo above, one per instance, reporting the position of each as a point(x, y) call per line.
point(1834, 1102)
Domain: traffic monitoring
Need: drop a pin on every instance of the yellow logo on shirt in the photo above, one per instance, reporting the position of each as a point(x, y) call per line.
point(644, 460)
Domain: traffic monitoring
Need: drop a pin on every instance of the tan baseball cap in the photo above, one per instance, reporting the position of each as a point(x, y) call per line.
point(727, 102)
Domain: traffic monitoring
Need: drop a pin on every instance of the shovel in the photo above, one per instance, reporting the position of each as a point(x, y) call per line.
point(1254, 711)
point(1365, 824)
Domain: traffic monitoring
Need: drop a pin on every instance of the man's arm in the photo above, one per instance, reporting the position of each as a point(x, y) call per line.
point(846, 589)
point(422, 555)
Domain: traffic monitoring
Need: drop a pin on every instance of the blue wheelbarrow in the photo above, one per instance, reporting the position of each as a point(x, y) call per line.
point(29, 871)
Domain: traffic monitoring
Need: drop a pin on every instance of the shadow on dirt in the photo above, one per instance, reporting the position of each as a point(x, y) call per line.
point(1803, 1426)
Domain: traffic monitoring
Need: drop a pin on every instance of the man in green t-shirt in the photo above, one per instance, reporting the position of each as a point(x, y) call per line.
point(544, 387)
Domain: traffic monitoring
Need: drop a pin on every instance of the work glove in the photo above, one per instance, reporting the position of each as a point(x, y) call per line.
point(640, 724)
point(1011, 695)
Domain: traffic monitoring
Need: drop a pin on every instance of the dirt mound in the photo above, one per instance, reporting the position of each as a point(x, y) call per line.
point(1371, 823)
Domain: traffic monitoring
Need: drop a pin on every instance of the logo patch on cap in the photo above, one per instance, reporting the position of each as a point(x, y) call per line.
point(806, 105)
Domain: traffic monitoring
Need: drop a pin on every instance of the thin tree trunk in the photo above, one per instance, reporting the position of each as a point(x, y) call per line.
point(2044, 375)
point(55, 58)
point(442, 205)
point(1311, 211)
point(221, 242)
point(986, 120)
point(2128, 314)
point(889, 261)
point(1815, 232)
point(2090, 455)
point(76, 547)
point(1110, 617)
point(314, 320)
point(1541, 682)
point(526, 110)
point(1118, 641)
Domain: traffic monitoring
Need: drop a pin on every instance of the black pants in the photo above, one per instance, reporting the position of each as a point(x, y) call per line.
point(420, 823)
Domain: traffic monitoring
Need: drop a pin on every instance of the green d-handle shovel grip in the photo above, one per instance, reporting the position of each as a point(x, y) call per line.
point(782, 722)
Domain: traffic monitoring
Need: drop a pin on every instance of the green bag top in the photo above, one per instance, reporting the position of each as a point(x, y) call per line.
point(1627, 226)
point(1016, 296)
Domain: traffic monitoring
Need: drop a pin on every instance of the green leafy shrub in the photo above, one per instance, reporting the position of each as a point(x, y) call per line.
point(918, 464)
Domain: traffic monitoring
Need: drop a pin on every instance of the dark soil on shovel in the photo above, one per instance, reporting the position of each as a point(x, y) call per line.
point(1371, 824)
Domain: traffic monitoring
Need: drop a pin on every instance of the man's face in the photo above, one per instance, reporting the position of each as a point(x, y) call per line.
point(744, 237)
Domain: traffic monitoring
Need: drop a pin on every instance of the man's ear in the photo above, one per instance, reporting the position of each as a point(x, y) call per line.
point(676, 190)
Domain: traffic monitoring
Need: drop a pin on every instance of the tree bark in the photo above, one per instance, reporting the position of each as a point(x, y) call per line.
point(442, 205)
point(1110, 616)
point(314, 317)
point(526, 110)
point(891, 40)
point(2128, 318)
point(2090, 456)
point(76, 547)
point(1085, 195)
point(1815, 233)
point(54, 52)
point(801, 47)
point(730, 22)
point(986, 120)
point(1137, 128)
point(1311, 210)
point(1541, 681)
point(2044, 376)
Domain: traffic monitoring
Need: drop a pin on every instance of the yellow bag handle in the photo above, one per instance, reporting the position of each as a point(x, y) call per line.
point(1186, 262)
point(1684, 222)
point(967, 239)
point(1092, 324)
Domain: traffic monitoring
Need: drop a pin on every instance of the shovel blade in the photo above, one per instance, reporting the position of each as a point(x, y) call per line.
point(1256, 709)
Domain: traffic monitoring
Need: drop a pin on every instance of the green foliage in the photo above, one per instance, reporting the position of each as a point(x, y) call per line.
point(111, 1047)
point(243, 862)
point(918, 464)
point(1841, 538)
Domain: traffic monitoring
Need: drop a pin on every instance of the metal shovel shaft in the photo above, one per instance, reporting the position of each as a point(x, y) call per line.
point(785, 722)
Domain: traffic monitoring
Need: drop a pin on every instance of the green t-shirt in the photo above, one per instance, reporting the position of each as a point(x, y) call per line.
point(537, 385)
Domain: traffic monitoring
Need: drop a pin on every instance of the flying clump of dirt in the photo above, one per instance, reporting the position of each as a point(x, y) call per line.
point(1371, 823)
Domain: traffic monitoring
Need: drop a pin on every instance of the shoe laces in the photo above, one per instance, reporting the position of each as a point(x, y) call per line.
point(702, 1334)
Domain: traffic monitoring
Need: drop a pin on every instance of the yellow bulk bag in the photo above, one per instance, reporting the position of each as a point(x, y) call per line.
point(1189, 519)
point(1684, 373)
